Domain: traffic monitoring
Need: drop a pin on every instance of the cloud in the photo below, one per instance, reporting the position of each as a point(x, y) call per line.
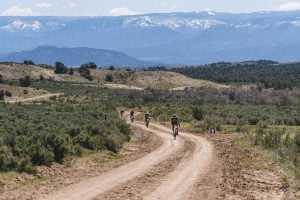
point(289, 6)
point(72, 5)
point(121, 11)
point(44, 5)
point(17, 11)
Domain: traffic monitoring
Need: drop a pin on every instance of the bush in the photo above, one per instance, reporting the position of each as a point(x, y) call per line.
point(111, 68)
point(2, 95)
point(42, 78)
point(7, 160)
point(26, 166)
point(297, 141)
point(197, 113)
point(90, 65)
point(60, 68)
point(47, 133)
point(25, 82)
point(29, 62)
point(85, 73)
point(8, 93)
point(109, 78)
point(1, 79)
point(71, 72)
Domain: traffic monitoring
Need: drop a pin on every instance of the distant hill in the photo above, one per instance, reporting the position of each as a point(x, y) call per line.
point(267, 73)
point(75, 57)
point(183, 38)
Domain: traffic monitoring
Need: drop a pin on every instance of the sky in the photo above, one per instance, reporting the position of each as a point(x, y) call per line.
point(131, 7)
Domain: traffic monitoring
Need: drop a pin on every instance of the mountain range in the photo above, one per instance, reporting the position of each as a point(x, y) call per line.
point(75, 57)
point(173, 38)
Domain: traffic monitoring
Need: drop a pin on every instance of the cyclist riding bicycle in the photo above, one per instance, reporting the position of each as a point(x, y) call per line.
point(175, 123)
point(147, 118)
point(132, 116)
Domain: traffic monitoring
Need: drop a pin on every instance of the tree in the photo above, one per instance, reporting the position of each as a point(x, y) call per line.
point(90, 65)
point(111, 68)
point(60, 68)
point(109, 78)
point(29, 62)
point(25, 82)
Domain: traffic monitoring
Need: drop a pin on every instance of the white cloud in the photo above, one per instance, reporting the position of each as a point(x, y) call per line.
point(72, 5)
point(44, 5)
point(289, 6)
point(17, 11)
point(121, 11)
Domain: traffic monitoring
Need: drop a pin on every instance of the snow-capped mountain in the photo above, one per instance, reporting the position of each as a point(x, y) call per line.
point(189, 38)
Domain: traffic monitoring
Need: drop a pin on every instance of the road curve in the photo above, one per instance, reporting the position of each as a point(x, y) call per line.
point(180, 182)
point(90, 188)
point(177, 184)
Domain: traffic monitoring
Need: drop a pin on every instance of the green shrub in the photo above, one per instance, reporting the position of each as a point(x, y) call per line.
point(2, 95)
point(8, 93)
point(112, 68)
point(90, 65)
point(109, 78)
point(197, 113)
point(25, 82)
point(1, 79)
point(28, 62)
point(26, 166)
point(85, 73)
point(60, 68)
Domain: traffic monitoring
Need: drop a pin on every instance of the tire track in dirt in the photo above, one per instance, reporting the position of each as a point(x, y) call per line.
point(136, 188)
point(90, 188)
point(181, 181)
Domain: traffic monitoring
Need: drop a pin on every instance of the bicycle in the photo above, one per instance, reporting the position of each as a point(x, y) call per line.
point(132, 118)
point(175, 132)
point(147, 122)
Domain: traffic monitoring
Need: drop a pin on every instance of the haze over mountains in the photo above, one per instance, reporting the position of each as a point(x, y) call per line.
point(186, 38)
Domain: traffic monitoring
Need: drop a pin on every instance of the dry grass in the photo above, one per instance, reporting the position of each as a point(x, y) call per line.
point(19, 93)
point(121, 78)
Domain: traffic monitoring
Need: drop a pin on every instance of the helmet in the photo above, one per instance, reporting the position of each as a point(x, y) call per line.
point(174, 115)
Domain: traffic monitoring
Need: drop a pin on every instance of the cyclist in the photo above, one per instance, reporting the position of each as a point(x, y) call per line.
point(175, 123)
point(147, 118)
point(122, 113)
point(132, 116)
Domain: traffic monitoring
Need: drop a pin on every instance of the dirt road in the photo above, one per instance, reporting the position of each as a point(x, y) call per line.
point(37, 98)
point(176, 185)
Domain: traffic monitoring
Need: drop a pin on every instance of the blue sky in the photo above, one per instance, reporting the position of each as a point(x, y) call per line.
point(128, 7)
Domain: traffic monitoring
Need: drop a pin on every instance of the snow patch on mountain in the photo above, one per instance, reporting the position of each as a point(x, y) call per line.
point(19, 25)
point(171, 23)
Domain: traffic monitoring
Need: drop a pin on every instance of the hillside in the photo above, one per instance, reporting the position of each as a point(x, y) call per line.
point(187, 38)
point(139, 79)
point(267, 73)
point(75, 57)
